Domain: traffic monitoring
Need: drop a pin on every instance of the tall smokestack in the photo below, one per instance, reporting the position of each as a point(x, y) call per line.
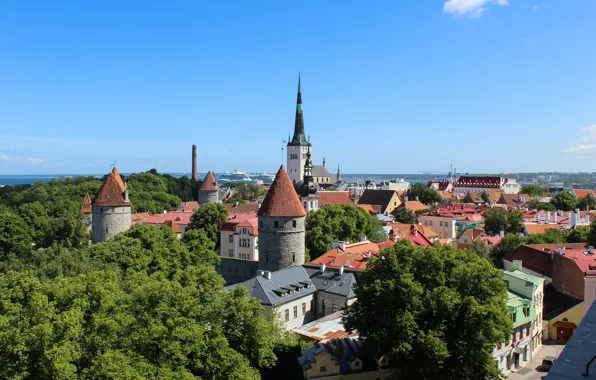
point(194, 162)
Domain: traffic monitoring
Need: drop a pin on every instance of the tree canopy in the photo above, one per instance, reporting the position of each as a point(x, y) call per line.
point(421, 301)
point(339, 222)
point(498, 219)
point(404, 215)
point(209, 218)
point(532, 190)
point(587, 203)
point(425, 194)
point(564, 200)
point(142, 305)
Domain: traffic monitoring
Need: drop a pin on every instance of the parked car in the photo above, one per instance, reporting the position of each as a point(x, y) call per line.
point(547, 363)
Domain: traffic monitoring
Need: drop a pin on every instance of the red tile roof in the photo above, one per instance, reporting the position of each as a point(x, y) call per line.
point(86, 207)
point(581, 193)
point(484, 182)
point(533, 228)
point(112, 192)
point(209, 183)
point(282, 200)
point(371, 209)
point(174, 226)
point(188, 206)
point(412, 206)
point(140, 217)
point(538, 257)
point(354, 257)
point(334, 197)
point(242, 208)
point(236, 219)
point(180, 217)
point(582, 259)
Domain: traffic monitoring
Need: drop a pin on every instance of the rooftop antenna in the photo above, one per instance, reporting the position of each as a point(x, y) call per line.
point(282, 148)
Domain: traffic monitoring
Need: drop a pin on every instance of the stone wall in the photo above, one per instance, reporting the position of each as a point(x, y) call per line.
point(208, 196)
point(235, 270)
point(281, 242)
point(107, 222)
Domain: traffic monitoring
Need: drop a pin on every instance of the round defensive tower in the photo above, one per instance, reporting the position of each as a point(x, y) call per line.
point(111, 209)
point(281, 226)
point(209, 192)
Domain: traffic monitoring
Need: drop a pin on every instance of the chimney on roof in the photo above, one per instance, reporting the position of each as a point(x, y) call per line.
point(363, 238)
point(417, 198)
point(517, 264)
point(574, 218)
point(587, 218)
point(322, 267)
point(339, 244)
point(194, 162)
point(392, 235)
point(555, 218)
point(341, 270)
point(414, 230)
point(547, 221)
point(502, 233)
point(560, 212)
point(165, 211)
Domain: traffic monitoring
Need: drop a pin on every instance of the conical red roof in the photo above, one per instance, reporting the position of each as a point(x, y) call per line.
point(86, 207)
point(209, 182)
point(282, 200)
point(112, 191)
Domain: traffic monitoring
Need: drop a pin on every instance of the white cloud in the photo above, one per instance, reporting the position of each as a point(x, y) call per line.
point(4, 157)
point(584, 148)
point(470, 8)
point(35, 161)
point(535, 8)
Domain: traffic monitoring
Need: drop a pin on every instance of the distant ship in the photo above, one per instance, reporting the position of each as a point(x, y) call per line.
point(236, 175)
point(267, 175)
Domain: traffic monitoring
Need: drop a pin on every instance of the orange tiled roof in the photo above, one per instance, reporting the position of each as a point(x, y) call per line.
point(86, 207)
point(188, 206)
point(582, 193)
point(112, 191)
point(334, 197)
point(371, 209)
point(413, 206)
point(209, 183)
point(281, 199)
point(533, 228)
point(180, 217)
point(242, 208)
point(140, 217)
point(174, 226)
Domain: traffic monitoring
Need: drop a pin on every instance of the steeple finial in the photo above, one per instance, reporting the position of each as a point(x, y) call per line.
point(323, 161)
point(299, 137)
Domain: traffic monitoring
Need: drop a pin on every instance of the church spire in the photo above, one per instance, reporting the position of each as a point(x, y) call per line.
point(299, 138)
point(338, 174)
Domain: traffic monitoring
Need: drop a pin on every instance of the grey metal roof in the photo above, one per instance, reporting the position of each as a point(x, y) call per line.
point(294, 279)
point(332, 282)
point(571, 364)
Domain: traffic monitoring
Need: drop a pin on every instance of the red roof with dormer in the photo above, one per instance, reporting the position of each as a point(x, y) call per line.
point(174, 226)
point(282, 200)
point(112, 192)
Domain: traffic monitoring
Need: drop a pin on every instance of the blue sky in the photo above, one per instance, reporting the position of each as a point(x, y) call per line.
point(388, 86)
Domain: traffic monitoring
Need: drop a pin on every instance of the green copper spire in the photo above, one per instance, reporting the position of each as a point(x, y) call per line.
point(299, 137)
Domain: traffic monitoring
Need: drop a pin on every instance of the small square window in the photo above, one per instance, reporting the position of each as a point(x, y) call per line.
point(323, 369)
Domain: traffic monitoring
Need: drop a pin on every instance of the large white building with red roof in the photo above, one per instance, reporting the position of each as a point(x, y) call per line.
point(239, 237)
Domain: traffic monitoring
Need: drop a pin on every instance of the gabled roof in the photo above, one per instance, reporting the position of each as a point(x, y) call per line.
point(582, 193)
point(371, 209)
point(334, 197)
point(112, 192)
point(412, 206)
point(282, 200)
point(188, 206)
point(320, 171)
point(180, 217)
point(209, 183)
point(268, 291)
point(377, 197)
point(538, 257)
point(472, 233)
point(533, 228)
point(327, 327)
point(404, 228)
point(86, 207)
point(242, 208)
point(174, 226)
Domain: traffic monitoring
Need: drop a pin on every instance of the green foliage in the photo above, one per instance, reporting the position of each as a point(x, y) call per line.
point(148, 192)
point(404, 215)
point(498, 219)
point(509, 243)
point(564, 200)
point(209, 218)
point(15, 236)
point(339, 222)
point(532, 190)
point(139, 306)
point(587, 203)
point(480, 249)
point(200, 247)
point(543, 206)
point(425, 194)
point(580, 234)
point(420, 299)
point(592, 234)
point(550, 236)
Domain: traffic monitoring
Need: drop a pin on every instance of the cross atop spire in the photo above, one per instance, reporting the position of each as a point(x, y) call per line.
point(299, 138)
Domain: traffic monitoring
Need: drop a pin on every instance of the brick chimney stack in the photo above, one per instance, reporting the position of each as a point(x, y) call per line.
point(194, 162)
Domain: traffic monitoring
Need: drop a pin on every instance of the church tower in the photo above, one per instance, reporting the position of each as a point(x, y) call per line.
point(281, 226)
point(111, 209)
point(298, 146)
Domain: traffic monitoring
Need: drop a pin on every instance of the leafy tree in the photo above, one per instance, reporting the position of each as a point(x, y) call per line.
point(509, 243)
point(15, 236)
point(209, 218)
point(550, 236)
point(420, 299)
point(532, 190)
point(564, 200)
point(580, 234)
point(404, 215)
point(425, 194)
point(592, 234)
point(480, 249)
point(36, 217)
point(498, 219)
point(337, 222)
point(200, 247)
point(542, 206)
point(587, 203)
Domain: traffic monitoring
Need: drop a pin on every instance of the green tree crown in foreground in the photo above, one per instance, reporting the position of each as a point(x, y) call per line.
point(438, 312)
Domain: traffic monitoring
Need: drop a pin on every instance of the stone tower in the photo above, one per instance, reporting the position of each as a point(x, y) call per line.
point(86, 210)
point(298, 146)
point(281, 226)
point(209, 192)
point(111, 209)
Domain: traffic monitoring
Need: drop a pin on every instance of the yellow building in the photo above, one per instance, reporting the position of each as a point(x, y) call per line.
point(562, 314)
